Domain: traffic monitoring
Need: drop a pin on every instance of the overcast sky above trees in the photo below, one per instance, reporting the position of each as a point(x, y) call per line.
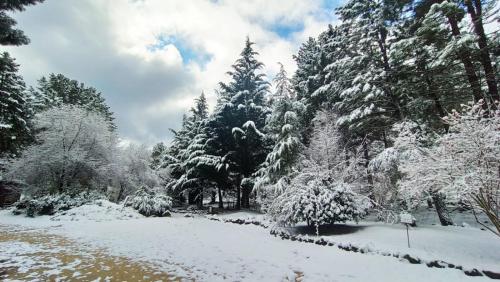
point(151, 58)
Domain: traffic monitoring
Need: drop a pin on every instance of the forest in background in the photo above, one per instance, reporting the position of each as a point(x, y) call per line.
point(393, 108)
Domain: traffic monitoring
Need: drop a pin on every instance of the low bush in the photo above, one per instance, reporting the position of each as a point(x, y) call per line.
point(50, 204)
point(317, 201)
point(149, 202)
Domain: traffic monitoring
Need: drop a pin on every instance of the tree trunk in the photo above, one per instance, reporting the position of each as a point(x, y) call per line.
point(476, 14)
point(442, 211)
point(368, 174)
point(221, 203)
point(191, 198)
point(120, 193)
point(464, 56)
point(213, 197)
point(384, 138)
point(438, 107)
point(245, 197)
point(238, 196)
point(398, 113)
point(429, 203)
point(200, 198)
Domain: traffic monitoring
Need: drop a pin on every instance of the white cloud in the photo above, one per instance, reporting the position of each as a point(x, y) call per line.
point(107, 44)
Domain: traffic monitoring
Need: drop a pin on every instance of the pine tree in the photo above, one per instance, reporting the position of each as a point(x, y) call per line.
point(58, 89)
point(436, 14)
point(8, 34)
point(187, 151)
point(236, 128)
point(200, 109)
point(15, 113)
point(157, 154)
point(433, 87)
point(307, 79)
point(283, 126)
point(475, 10)
point(363, 77)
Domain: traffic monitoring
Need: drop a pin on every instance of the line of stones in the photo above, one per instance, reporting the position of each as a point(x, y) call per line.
point(350, 248)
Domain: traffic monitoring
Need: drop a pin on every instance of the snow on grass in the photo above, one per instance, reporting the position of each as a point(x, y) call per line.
point(465, 246)
point(244, 215)
point(215, 251)
point(100, 210)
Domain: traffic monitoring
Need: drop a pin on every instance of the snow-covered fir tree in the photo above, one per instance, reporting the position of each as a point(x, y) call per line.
point(15, 111)
point(283, 127)
point(237, 125)
point(9, 35)
point(186, 151)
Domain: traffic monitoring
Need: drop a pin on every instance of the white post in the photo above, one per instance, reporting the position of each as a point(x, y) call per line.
point(408, 235)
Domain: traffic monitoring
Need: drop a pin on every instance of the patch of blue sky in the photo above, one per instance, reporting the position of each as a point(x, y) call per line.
point(331, 4)
point(188, 53)
point(327, 13)
point(286, 30)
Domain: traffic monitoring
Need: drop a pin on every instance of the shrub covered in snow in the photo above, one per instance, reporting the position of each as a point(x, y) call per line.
point(316, 200)
point(462, 165)
point(72, 153)
point(99, 210)
point(149, 202)
point(50, 204)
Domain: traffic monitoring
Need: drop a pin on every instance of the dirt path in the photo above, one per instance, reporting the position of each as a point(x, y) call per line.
point(33, 255)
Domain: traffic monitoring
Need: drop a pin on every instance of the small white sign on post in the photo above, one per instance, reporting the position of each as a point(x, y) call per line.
point(407, 219)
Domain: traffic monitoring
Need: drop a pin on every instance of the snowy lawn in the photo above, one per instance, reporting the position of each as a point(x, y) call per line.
point(469, 247)
point(209, 250)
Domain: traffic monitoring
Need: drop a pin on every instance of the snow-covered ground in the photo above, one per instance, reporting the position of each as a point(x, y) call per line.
point(466, 246)
point(101, 210)
point(207, 250)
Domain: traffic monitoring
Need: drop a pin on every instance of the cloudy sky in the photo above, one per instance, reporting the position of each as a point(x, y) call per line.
point(151, 58)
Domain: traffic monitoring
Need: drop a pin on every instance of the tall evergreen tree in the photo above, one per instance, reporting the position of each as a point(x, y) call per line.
point(311, 61)
point(15, 113)
point(157, 154)
point(438, 13)
point(187, 151)
point(56, 90)
point(236, 128)
point(363, 76)
point(9, 35)
point(283, 127)
point(476, 11)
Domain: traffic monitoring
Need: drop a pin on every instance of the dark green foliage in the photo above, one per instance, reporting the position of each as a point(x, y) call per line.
point(15, 112)
point(9, 35)
point(184, 158)
point(56, 90)
point(237, 125)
